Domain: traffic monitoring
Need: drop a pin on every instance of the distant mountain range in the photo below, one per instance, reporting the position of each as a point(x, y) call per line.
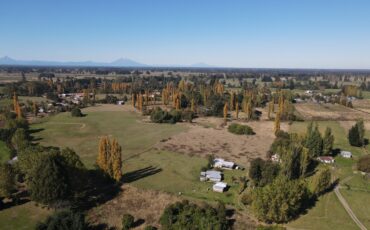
point(122, 62)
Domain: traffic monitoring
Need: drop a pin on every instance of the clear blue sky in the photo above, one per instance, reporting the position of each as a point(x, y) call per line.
point(258, 33)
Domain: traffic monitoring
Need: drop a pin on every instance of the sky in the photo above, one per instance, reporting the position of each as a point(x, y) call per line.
point(235, 33)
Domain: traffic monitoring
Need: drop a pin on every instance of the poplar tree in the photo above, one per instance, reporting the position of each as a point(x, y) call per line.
point(225, 112)
point(116, 153)
point(103, 155)
point(277, 122)
point(237, 110)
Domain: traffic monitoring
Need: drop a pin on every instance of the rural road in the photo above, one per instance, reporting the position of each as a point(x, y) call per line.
point(348, 209)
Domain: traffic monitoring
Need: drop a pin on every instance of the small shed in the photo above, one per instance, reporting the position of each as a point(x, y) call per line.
point(221, 163)
point(346, 154)
point(219, 187)
point(211, 175)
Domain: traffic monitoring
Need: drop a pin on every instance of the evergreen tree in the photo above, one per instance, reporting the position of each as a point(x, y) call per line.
point(19, 139)
point(64, 220)
point(49, 180)
point(314, 141)
point(328, 142)
point(356, 134)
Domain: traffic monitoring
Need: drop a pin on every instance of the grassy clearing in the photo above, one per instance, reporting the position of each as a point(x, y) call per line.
point(23, 216)
point(82, 134)
point(179, 175)
point(5, 152)
point(359, 202)
point(327, 214)
point(144, 166)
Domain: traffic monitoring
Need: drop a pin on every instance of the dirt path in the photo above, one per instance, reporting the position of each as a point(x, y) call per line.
point(348, 209)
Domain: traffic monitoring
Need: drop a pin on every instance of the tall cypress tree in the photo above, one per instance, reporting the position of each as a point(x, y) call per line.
point(328, 142)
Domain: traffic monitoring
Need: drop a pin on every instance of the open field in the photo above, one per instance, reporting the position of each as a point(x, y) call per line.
point(82, 134)
point(144, 164)
point(216, 140)
point(314, 111)
point(24, 216)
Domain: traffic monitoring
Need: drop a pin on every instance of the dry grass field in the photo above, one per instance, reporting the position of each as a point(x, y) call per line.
point(313, 111)
point(201, 141)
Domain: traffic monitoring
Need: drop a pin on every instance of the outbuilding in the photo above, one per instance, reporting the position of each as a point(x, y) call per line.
point(219, 187)
point(346, 154)
point(326, 159)
point(211, 175)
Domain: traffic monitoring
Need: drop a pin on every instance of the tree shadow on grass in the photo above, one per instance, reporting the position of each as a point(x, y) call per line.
point(140, 173)
point(99, 189)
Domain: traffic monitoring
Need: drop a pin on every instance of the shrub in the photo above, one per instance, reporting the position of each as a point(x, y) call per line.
point(363, 164)
point(76, 112)
point(240, 129)
point(127, 221)
point(160, 116)
point(184, 215)
point(64, 220)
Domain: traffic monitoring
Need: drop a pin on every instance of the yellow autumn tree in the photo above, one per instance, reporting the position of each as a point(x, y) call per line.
point(102, 160)
point(237, 110)
point(277, 122)
point(226, 109)
point(116, 154)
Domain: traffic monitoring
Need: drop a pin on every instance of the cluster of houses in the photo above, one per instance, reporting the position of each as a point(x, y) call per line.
point(322, 159)
point(75, 98)
point(216, 175)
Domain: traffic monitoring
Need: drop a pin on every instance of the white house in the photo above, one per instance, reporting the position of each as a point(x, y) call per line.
point(219, 187)
point(326, 159)
point(346, 154)
point(221, 163)
point(211, 175)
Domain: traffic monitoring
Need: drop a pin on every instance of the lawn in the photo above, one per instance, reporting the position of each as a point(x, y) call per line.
point(360, 203)
point(5, 152)
point(143, 165)
point(327, 214)
point(82, 134)
point(23, 216)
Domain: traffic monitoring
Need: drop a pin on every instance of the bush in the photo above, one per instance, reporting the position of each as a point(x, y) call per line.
point(127, 221)
point(363, 164)
point(240, 129)
point(76, 112)
point(64, 220)
point(160, 116)
point(184, 215)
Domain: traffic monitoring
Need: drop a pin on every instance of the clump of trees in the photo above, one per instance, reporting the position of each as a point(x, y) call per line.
point(279, 201)
point(240, 129)
point(66, 219)
point(263, 172)
point(356, 135)
point(283, 190)
point(363, 164)
point(52, 176)
point(109, 158)
point(185, 215)
point(161, 116)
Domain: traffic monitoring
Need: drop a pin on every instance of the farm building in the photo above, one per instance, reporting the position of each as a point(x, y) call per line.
point(221, 163)
point(211, 175)
point(326, 159)
point(346, 154)
point(219, 187)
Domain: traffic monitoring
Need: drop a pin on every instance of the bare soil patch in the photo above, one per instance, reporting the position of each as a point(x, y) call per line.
point(202, 141)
